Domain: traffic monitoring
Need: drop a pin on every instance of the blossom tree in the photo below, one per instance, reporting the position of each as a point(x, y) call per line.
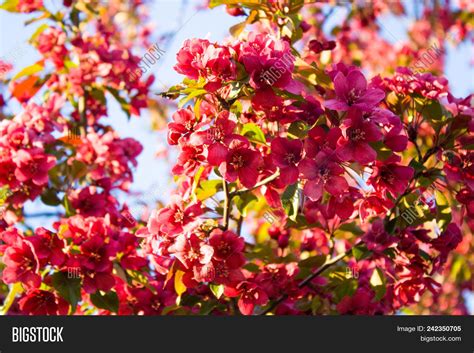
point(314, 174)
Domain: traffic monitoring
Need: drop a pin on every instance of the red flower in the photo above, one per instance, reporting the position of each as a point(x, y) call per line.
point(377, 239)
point(320, 139)
point(41, 302)
point(227, 273)
point(217, 138)
point(359, 304)
point(268, 61)
point(277, 278)
point(322, 172)
point(352, 92)
point(189, 57)
point(174, 219)
point(189, 160)
point(89, 202)
point(286, 155)
point(395, 139)
point(460, 168)
point(22, 264)
point(466, 197)
point(96, 255)
point(94, 281)
point(374, 205)
point(241, 162)
point(448, 240)
point(408, 290)
point(228, 247)
point(191, 250)
point(7, 173)
point(194, 255)
point(200, 58)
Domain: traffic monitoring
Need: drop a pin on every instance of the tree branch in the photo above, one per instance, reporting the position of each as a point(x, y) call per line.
point(227, 205)
point(260, 183)
point(308, 280)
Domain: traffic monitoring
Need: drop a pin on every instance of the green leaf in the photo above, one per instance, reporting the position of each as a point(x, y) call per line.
point(4, 194)
point(248, 3)
point(351, 228)
point(108, 301)
point(443, 210)
point(391, 225)
point(378, 283)
point(312, 74)
point(251, 267)
point(303, 304)
point(29, 70)
point(290, 200)
point(419, 167)
point(217, 290)
point(195, 93)
point(208, 188)
point(433, 111)
point(236, 29)
point(383, 152)
point(98, 94)
point(38, 31)
point(316, 303)
point(235, 89)
point(68, 288)
point(236, 108)
point(197, 177)
point(70, 211)
point(253, 133)
point(298, 129)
